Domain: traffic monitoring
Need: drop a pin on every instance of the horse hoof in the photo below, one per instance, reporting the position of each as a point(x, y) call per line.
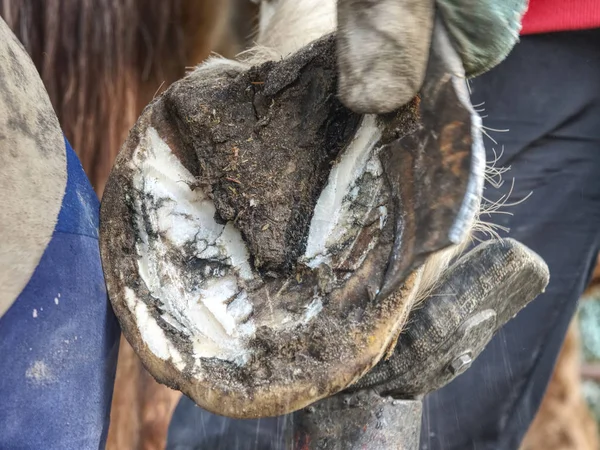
point(251, 222)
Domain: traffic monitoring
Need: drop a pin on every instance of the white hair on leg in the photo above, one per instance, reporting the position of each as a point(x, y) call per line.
point(288, 25)
point(285, 26)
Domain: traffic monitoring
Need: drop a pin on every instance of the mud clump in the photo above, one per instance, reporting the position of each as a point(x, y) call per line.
point(251, 130)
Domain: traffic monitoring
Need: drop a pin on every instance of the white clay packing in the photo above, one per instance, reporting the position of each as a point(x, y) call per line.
point(209, 306)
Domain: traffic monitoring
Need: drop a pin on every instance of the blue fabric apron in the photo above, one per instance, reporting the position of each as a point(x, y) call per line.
point(59, 339)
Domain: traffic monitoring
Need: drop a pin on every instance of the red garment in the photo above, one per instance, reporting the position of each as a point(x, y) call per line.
point(545, 16)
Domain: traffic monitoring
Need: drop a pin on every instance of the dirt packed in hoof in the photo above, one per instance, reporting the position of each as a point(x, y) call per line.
point(266, 139)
